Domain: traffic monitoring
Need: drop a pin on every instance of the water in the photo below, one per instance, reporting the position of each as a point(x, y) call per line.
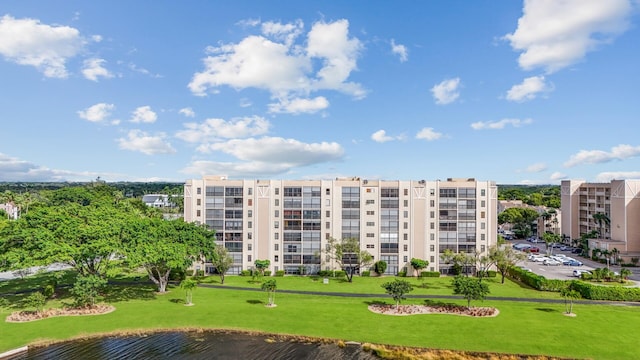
point(191, 345)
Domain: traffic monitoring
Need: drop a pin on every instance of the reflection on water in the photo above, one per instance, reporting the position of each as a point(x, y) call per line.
point(190, 345)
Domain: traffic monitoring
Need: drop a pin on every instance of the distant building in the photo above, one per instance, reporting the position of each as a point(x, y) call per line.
point(157, 200)
point(551, 223)
point(619, 200)
point(13, 212)
point(289, 221)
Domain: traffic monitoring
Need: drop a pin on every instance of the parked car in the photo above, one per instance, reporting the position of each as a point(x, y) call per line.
point(533, 249)
point(572, 262)
point(578, 273)
point(564, 248)
point(524, 268)
point(576, 251)
point(540, 259)
point(551, 262)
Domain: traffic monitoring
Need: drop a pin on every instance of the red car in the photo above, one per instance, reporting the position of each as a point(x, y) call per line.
point(533, 249)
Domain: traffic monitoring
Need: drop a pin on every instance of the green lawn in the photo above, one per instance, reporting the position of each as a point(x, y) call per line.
point(598, 331)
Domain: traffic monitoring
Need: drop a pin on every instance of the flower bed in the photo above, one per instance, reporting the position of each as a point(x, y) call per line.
point(24, 316)
point(439, 309)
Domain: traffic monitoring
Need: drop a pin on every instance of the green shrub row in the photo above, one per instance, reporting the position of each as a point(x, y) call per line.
point(430, 274)
point(365, 273)
point(331, 273)
point(280, 273)
point(535, 281)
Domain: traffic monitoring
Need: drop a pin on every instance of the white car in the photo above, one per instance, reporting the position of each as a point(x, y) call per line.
point(541, 259)
point(551, 262)
point(578, 273)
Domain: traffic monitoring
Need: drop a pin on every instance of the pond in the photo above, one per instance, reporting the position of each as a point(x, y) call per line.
point(194, 345)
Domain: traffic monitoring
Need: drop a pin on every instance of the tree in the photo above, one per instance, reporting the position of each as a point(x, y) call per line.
point(602, 220)
point(348, 255)
point(549, 239)
point(159, 246)
point(397, 289)
point(615, 255)
point(188, 285)
point(37, 301)
point(221, 261)
point(624, 274)
point(459, 261)
point(470, 288)
point(380, 267)
point(270, 287)
point(569, 294)
point(86, 290)
point(418, 265)
point(262, 265)
point(504, 258)
point(520, 219)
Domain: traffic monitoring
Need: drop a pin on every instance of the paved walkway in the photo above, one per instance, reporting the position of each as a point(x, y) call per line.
point(456, 297)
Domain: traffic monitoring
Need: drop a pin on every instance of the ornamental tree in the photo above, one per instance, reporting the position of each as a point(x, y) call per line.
point(397, 289)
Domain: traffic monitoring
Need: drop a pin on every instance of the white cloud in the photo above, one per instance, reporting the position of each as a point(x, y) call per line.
point(14, 169)
point(400, 50)
point(97, 113)
point(501, 124)
point(144, 114)
point(381, 136)
point(617, 175)
point(428, 134)
point(558, 176)
point(282, 67)
point(558, 33)
point(620, 152)
point(535, 168)
point(47, 48)
point(528, 89)
point(299, 106)
point(138, 140)
point(446, 92)
point(188, 112)
point(93, 69)
point(266, 156)
point(212, 130)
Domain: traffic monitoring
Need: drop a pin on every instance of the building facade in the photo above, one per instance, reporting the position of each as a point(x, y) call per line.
point(618, 200)
point(289, 221)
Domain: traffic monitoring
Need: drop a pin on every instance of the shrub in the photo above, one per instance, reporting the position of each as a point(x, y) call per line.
point(200, 273)
point(608, 293)
point(86, 290)
point(48, 291)
point(267, 273)
point(245, 273)
point(492, 273)
point(179, 274)
point(280, 273)
point(365, 273)
point(430, 274)
point(380, 267)
point(36, 300)
point(402, 273)
point(324, 273)
point(188, 272)
point(339, 274)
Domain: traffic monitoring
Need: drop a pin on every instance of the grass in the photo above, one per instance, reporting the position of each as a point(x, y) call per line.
point(600, 332)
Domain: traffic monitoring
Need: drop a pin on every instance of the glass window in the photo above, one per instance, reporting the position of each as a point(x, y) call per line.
point(198, 191)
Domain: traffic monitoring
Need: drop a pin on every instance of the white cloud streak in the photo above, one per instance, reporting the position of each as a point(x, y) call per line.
point(446, 92)
point(501, 124)
point(617, 175)
point(188, 112)
point(140, 141)
point(619, 152)
point(213, 130)
point(299, 106)
point(400, 50)
point(144, 114)
point(428, 134)
point(558, 33)
point(381, 136)
point(93, 69)
point(97, 113)
point(529, 89)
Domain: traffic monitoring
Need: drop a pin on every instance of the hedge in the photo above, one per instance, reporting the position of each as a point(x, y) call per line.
point(430, 274)
point(280, 273)
point(365, 273)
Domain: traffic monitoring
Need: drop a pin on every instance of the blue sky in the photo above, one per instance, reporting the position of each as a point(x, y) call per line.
point(526, 92)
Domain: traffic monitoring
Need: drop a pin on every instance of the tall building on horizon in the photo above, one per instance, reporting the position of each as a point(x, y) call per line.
point(289, 221)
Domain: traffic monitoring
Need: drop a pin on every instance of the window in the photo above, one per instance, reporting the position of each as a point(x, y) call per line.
point(482, 192)
point(406, 203)
point(327, 213)
point(406, 214)
point(328, 191)
point(370, 246)
point(276, 213)
point(405, 258)
point(249, 246)
point(405, 225)
point(249, 213)
point(249, 258)
point(250, 191)
point(371, 212)
point(432, 237)
point(432, 192)
point(199, 191)
point(432, 203)
point(276, 202)
point(431, 259)
point(406, 192)
point(432, 248)
point(370, 202)
point(276, 191)
point(197, 212)
point(369, 190)
point(405, 236)
point(482, 226)
point(371, 223)
point(482, 215)
point(432, 226)
point(249, 224)
point(276, 247)
point(483, 203)
point(432, 214)
point(405, 248)
point(482, 248)
point(327, 225)
point(249, 237)
point(327, 202)
point(481, 236)
point(250, 202)
point(276, 258)
point(276, 224)
point(198, 202)
point(371, 235)
point(276, 236)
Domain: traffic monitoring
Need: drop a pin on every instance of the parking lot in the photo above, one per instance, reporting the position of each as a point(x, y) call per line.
point(565, 272)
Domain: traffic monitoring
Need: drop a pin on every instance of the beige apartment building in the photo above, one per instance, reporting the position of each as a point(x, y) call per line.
point(289, 221)
point(619, 200)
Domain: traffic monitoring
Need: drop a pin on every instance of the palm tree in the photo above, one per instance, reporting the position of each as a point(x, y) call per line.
point(602, 219)
point(624, 274)
point(569, 295)
point(614, 254)
point(189, 285)
point(270, 287)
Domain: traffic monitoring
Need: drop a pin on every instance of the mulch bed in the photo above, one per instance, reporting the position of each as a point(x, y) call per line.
point(401, 310)
point(24, 316)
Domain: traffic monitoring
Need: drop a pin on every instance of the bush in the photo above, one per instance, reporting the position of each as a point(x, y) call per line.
point(492, 273)
point(608, 293)
point(86, 290)
point(245, 273)
point(48, 291)
point(267, 273)
point(430, 274)
point(324, 273)
point(280, 273)
point(200, 273)
point(339, 274)
point(179, 274)
point(188, 272)
point(365, 273)
point(380, 267)
point(402, 273)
